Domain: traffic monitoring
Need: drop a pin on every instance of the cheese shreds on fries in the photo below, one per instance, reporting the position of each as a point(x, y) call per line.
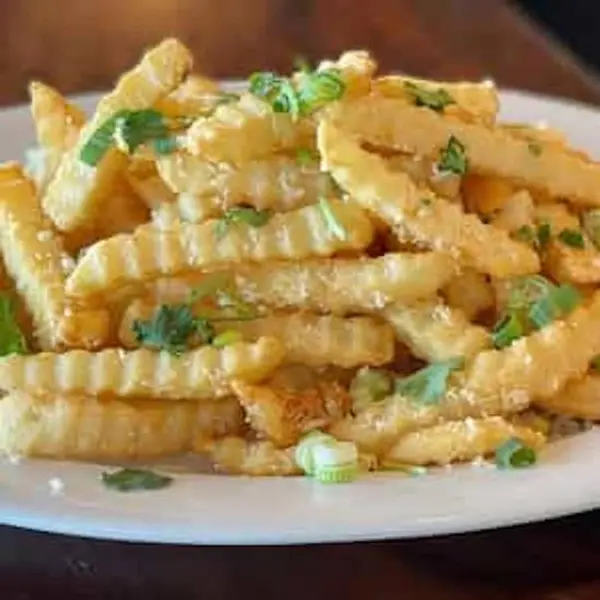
point(321, 273)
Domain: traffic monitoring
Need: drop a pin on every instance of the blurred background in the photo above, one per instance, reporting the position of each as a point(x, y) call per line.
point(80, 45)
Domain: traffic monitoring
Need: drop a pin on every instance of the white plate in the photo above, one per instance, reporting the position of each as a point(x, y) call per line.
point(210, 509)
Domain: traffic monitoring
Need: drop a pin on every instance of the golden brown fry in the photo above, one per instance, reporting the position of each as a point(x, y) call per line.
point(86, 428)
point(35, 259)
point(436, 332)
point(196, 96)
point(579, 399)
point(283, 414)
point(245, 130)
point(416, 214)
point(471, 292)
point(575, 265)
point(150, 252)
point(308, 339)
point(238, 456)
point(207, 190)
point(476, 102)
point(459, 441)
point(356, 69)
point(73, 197)
point(202, 373)
point(144, 180)
point(391, 123)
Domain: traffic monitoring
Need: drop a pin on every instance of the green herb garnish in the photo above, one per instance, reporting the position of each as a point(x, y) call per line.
point(595, 363)
point(12, 340)
point(544, 233)
point(334, 226)
point(306, 157)
point(507, 330)
point(572, 238)
point(537, 237)
point(428, 386)
point(241, 214)
point(425, 202)
point(130, 480)
point(558, 302)
point(535, 148)
point(436, 99)
point(453, 158)
point(226, 338)
point(514, 454)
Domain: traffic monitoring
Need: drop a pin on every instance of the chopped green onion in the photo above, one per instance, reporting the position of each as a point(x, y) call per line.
point(453, 158)
point(514, 454)
point(165, 145)
point(303, 454)
point(425, 201)
point(556, 303)
point(429, 385)
point(129, 480)
point(572, 238)
point(595, 363)
point(412, 470)
point(526, 233)
point(535, 148)
point(226, 338)
point(591, 224)
point(12, 340)
point(509, 329)
point(539, 237)
point(241, 214)
point(369, 386)
point(544, 233)
point(317, 88)
point(306, 157)
point(436, 99)
point(335, 227)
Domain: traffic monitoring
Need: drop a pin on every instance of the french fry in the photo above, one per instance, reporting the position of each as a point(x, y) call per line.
point(150, 252)
point(283, 414)
point(391, 123)
point(206, 190)
point(330, 285)
point(36, 261)
point(580, 399)
point(196, 96)
point(436, 332)
point(356, 69)
point(238, 456)
point(475, 102)
point(147, 184)
point(495, 382)
point(245, 130)
point(575, 265)
point(486, 195)
point(197, 374)
point(86, 428)
point(470, 292)
point(517, 212)
point(73, 197)
point(459, 441)
point(308, 339)
point(435, 223)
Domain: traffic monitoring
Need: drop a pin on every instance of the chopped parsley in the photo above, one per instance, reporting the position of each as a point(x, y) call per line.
point(572, 238)
point(428, 386)
point(12, 340)
point(453, 158)
point(241, 214)
point(129, 129)
point(334, 226)
point(514, 454)
point(130, 480)
point(435, 99)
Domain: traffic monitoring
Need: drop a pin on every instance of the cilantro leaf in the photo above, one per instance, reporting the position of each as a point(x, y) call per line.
point(514, 454)
point(453, 158)
point(572, 238)
point(129, 480)
point(428, 386)
point(241, 214)
point(434, 99)
point(336, 228)
point(12, 340)
point(171, 328)
point(129, 129)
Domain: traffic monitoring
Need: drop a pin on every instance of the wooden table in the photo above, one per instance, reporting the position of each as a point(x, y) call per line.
point(81, 45)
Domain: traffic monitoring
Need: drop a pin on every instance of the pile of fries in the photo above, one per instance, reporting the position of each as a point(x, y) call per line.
point(327, 272)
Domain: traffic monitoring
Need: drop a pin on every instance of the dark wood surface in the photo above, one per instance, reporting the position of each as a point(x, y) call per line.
point(81, 45)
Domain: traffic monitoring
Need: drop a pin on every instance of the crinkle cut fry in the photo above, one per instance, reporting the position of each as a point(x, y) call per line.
point(202, 373)
point(416, 214)
point(73, 196)
point(435, 331)
point(391, 123)
point(459, 441)
point(313, 340)
point(36, 261)
point(150, 252)
point(206, 190)
point(580, 399)
point(282, 414)
point(495, 382)
point(87, 428)
point(329, 285)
